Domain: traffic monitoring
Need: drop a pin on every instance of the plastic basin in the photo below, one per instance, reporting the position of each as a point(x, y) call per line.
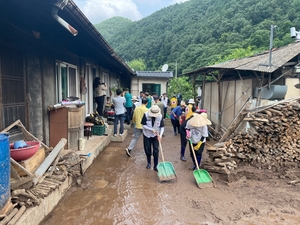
point(24, 153)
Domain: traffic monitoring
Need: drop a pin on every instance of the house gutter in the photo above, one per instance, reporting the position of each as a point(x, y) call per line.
point(60, 5)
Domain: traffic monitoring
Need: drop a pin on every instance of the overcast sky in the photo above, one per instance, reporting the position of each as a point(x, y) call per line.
point(98, 10)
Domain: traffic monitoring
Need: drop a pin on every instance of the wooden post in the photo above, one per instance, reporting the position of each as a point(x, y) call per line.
point(194, 86)
point(236, 121)
point(203, 92)
point(219, 102)
point(259, 90)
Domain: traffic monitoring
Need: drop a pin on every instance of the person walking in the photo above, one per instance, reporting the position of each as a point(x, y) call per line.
point(197, 132)
point(188, 110)
point(175, 117)
point(182, 133)
point(141, 96)
point(138, 114)
point(99, 93)
point(165, 101)
point(158, 103)
point(119, 103)
point(173, 102)
point(179, 98)
point(128, 105)
point(153, 128)
point(149, 104)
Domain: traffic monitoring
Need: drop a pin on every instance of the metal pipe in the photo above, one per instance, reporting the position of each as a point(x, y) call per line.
point(71, 29)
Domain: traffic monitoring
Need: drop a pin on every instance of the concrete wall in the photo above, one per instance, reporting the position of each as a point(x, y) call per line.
point(39, 67)
point(137, 84)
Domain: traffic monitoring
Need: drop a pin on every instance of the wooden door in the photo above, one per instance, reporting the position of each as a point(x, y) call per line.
point(12, 83)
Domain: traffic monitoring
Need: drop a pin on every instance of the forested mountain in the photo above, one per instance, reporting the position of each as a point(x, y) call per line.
point(197, 33)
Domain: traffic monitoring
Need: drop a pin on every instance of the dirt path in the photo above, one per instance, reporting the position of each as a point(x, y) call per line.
point(117, 189)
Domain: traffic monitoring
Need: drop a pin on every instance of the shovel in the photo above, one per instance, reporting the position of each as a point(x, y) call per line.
point(203, 179)
point(166, 170)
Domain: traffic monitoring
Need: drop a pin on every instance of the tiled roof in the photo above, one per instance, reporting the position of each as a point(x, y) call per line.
point(259, 62)
point(167, 74)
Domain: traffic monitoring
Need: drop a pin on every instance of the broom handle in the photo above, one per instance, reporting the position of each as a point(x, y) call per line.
point(162, 154)
point(194, 154)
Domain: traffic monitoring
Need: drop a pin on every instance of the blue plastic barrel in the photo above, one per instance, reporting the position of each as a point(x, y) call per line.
point(4, 169)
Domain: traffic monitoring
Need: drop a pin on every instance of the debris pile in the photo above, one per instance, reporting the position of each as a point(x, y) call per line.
point(271, 142)
point(37, 177)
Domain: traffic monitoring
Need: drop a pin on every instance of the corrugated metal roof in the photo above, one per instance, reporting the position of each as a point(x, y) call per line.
point(258, 62)
point(167, 74)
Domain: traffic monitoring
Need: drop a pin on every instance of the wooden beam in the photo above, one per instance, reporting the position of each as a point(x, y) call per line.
point(203, 91)
point(49, 159)
point(219, 102)
point(259, 89)
point(236, 121)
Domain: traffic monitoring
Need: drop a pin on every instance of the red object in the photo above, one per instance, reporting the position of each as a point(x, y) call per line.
point(88, 129)
point(24, 153)
point(111, 112)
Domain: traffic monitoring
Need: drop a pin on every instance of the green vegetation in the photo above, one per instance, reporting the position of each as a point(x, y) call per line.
point(137, 65)
point(202, 32)
point(182, 85)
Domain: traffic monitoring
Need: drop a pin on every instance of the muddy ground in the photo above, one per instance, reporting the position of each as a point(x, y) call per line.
point(117, 189)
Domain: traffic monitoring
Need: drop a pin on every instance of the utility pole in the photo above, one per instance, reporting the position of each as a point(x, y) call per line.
point(271, 44)
point(271, 47)
point(176, 69)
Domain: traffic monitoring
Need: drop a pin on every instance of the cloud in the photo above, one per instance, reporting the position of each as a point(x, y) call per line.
point(97, 11)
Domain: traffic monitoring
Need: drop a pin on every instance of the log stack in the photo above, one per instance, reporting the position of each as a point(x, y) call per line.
point(271, 142)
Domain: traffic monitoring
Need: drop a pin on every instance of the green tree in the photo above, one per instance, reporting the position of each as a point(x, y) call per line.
point(137, 64)
point(182, 85)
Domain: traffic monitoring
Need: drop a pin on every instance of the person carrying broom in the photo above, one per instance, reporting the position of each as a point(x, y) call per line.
point(197, 132)
point(153, 128)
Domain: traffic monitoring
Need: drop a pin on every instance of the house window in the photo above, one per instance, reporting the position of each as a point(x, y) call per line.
point(66, 81)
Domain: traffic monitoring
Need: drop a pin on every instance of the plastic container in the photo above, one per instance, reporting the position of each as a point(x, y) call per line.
point(4, 169)
point(98, 130)
point(24, 153)
point(81, 144)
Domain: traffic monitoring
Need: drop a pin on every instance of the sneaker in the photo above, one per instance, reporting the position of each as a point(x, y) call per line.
point(148, 166)
point(132, 135)
point(155, 169)
point(121, 135)
point(183, 158)
point(115, 135)
point(175, 133)
point(128, 152)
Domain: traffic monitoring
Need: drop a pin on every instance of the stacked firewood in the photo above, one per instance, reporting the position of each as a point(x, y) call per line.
point(272, 141)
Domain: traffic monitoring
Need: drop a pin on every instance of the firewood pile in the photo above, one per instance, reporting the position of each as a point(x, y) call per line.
point(271, 142)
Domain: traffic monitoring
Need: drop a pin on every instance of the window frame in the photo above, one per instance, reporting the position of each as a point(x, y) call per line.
point(59, 88)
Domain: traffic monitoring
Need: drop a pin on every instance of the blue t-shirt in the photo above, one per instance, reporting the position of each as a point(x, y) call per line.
point(128, 98)
point(177, 111)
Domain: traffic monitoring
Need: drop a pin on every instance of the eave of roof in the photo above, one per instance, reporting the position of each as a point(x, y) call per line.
point(27, 16)
point(90, 28)
point(156, 74)
point(259, 63)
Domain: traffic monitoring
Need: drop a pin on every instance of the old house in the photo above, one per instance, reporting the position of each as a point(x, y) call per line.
point(261, 79)
point(151, 82)
point(49, 51)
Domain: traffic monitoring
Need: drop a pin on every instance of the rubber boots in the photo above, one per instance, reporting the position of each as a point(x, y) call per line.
point(182, 154)
point(199, 157)
point(148, 162)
